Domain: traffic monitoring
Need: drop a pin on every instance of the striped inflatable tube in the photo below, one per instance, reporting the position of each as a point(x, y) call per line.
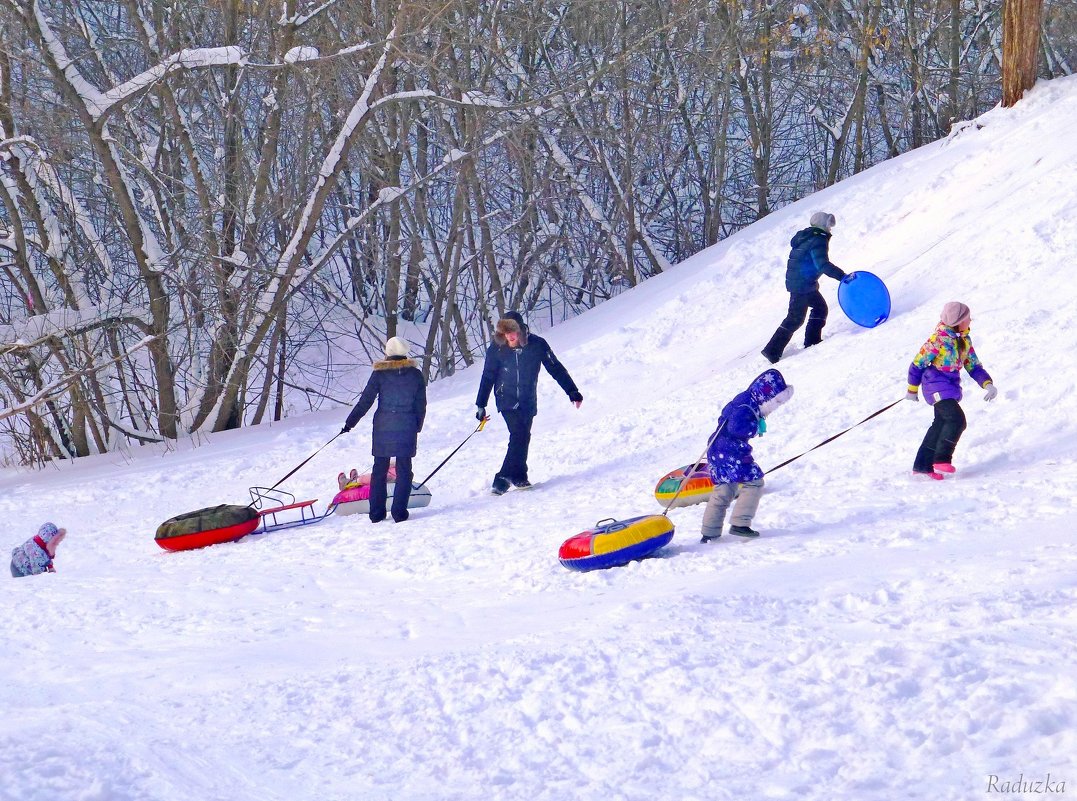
point(612, 543)
point(697, 489)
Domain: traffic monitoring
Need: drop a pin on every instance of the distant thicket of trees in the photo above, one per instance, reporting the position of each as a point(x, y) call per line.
point(190, 191)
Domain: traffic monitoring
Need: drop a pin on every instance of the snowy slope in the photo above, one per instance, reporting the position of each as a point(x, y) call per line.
point(884, 639)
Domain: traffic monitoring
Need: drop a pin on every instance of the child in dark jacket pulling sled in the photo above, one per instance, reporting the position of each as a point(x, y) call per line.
point(937, 368)
point(729, 456)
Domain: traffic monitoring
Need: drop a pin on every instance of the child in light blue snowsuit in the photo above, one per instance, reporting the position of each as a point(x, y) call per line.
point(36, 554)
point(729, 456)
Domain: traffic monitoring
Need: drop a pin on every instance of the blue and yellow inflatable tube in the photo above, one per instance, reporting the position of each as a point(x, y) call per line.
point(612, 543)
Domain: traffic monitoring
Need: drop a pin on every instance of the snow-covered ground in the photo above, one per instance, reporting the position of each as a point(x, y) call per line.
point(884, 639)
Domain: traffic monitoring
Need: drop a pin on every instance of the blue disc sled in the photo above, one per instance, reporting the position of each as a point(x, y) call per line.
point(864, 298)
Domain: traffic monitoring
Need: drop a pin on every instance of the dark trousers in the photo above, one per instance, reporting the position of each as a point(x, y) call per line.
point(941, 439)
point(379, 484)
point(514, 468)
point(799, 304)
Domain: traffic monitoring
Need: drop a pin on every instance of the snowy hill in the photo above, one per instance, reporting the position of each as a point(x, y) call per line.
point(884, 639)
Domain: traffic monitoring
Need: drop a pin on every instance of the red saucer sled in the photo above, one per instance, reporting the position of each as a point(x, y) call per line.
point(209, 526)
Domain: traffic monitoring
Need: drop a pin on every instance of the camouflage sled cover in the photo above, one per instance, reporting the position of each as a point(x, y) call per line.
point(208, 519)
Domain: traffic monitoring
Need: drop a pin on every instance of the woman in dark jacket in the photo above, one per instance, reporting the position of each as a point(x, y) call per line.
point(398, 386)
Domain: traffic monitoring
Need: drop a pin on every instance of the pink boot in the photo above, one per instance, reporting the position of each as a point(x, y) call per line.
point(944, 467)
point(923, 474)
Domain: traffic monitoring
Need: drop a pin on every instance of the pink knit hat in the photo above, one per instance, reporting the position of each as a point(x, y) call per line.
point(954, 314)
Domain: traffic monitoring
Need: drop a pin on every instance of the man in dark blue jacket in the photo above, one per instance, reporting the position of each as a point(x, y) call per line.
point(511, 372)
point(808, 260)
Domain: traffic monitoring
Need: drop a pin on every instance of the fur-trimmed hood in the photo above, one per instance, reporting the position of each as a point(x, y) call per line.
point(499, 338)
point(769, 391)
point(512, 321)
point(394, 363)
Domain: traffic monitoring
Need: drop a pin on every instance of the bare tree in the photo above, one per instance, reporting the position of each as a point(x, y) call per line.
point(1020, 47)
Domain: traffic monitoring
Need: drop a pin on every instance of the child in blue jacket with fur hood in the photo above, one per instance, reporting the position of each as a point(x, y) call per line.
point(729, 456)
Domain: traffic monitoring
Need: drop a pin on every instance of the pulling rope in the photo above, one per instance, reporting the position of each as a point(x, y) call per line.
point(480, 427)
point(295, 469)
point(690, 468)
point(831, 439)
point(703, 455)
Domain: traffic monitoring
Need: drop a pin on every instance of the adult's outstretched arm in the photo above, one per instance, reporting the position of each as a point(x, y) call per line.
point(560, 374)
point(366, 400)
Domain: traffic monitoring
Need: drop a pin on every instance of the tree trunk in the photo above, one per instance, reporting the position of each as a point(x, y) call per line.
point(954, 110)
point(1020, 47)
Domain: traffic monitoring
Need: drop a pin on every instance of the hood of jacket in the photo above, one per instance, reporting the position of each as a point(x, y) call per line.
point(800, 237)
point(48, 532)
point(768, 391)
point(394, 363)
point(499, 338)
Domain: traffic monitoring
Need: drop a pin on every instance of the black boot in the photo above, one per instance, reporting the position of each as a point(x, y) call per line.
point(743, 531)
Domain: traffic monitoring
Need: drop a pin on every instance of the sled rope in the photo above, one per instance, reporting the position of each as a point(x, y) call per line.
point(831, 439)
point(478, 428)
point(295, 469)
point(702, 458)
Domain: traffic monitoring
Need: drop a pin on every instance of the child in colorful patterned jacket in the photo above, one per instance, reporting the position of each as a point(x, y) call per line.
point(938, 368)
point(729, 456)
point(36, 554)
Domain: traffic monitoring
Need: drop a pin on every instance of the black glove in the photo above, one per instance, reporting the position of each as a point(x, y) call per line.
point(480, 413)
point(575, 397)
point(345, 430)
point(847, 278)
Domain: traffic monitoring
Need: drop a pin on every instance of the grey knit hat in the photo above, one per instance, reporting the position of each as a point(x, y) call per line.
point(954, 313)
point(824, 220)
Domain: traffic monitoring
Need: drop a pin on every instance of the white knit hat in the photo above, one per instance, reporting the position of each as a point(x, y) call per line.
point(396, 347)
